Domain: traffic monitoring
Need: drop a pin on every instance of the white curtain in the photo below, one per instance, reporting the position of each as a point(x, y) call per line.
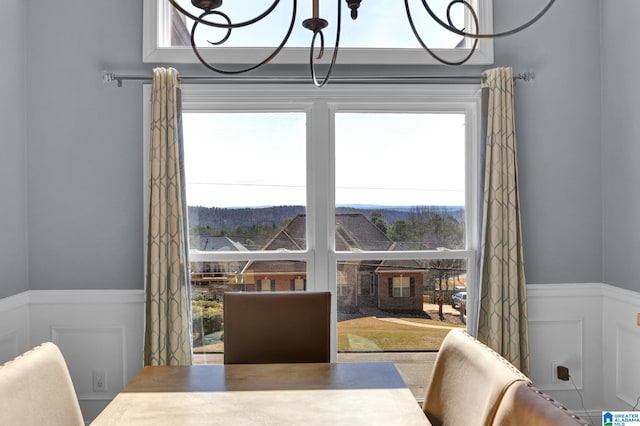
point(168, 306)
point(502, 317)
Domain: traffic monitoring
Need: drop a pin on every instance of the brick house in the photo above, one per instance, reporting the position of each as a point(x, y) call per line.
point(388, 285)
point(281, 275)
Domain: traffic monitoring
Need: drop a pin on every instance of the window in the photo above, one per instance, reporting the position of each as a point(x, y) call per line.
point(365, 191)
point(341, 282)
point(266, 284)
point(298, 284)
point(402, 286)
point(380, 35)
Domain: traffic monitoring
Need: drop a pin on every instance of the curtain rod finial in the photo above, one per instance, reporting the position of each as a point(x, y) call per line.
point(109, 77)
point(527, 76)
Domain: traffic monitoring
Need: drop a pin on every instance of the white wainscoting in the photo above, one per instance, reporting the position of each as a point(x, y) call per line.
point(590, 328)
point(565, 328)
point(14, 326)
point(96, 330)
point(621, 348)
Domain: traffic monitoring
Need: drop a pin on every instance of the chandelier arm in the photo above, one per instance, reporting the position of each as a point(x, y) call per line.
point(431, 52)
point(478, 35)
point(226, 36)
point(230, 25)
point(253, 67)
point(327, 76)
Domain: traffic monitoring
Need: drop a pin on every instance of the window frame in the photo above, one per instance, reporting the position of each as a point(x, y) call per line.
point(322, 264)
point(156, 30)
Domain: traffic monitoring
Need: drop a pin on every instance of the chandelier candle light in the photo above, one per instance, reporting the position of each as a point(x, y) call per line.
point(317, 25)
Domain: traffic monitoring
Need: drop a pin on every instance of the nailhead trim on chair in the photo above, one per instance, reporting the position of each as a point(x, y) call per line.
point(559, 405)
point(11, 361)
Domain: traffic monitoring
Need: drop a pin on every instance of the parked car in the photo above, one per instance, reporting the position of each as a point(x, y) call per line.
point(458, 298)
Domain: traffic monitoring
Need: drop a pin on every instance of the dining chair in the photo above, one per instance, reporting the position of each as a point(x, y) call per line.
point(467, 382)
point(276, 327)
point(36, 389)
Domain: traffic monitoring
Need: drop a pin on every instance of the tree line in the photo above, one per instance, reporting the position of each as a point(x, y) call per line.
point(420, 228)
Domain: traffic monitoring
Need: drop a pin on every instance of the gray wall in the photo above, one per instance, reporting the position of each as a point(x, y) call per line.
point(620, 144)
point(13, 224)
point(84, 158)
point(558, 129)
point(84, 146)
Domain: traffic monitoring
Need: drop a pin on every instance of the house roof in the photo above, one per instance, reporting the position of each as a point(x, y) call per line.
point(214, 243)
point(291, 237)
point(399, 265)
point(353, 232)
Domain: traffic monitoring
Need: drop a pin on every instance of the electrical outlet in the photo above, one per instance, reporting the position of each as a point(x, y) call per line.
point(558, 371)
point(99, 381)
point(562, 373)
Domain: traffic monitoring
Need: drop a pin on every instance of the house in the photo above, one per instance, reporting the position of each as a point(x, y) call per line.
point(205, 271)
point(72, 209)
point(393, 286)
point(215, 276)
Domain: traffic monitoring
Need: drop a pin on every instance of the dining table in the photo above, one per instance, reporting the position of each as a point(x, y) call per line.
point(359, 393)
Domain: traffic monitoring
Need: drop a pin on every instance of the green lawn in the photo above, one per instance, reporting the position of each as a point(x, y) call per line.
point(373, 334)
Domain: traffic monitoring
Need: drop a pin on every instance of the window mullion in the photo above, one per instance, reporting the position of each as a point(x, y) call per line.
point(320, 211)
point(319, 207)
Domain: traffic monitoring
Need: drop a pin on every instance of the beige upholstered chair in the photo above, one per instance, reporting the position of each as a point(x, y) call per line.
point(467, 383)
point(278, 327)
point(36, 389)
point(523, 404)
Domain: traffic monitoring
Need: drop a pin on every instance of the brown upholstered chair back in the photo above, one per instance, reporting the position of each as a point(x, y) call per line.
point(36, 389)
point(278, 327)
point(523, 404)
point(467, 383)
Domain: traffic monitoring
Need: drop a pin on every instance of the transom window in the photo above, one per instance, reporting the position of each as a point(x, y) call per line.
point(380, 35)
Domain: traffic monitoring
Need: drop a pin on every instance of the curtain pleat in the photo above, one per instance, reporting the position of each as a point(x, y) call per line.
point(168, 306)
point(502, 318)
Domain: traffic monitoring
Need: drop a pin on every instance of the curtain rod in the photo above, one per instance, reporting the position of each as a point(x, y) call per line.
point(109, 77)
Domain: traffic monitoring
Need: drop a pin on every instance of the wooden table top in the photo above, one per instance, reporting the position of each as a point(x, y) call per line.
point(266, 394)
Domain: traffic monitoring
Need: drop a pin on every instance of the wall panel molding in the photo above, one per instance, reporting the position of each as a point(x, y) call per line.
point(14, 326)
point(107, 349)
point(565, 327)
point(621, 348)
point(567, 351)
point(96, 330)
point(627, 348)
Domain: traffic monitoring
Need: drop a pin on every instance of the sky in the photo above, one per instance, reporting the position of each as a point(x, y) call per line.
point(259, 159)
point(381, 23)
point(238, 160)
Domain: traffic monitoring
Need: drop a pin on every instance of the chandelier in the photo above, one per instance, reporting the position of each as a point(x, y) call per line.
point(212, 16)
